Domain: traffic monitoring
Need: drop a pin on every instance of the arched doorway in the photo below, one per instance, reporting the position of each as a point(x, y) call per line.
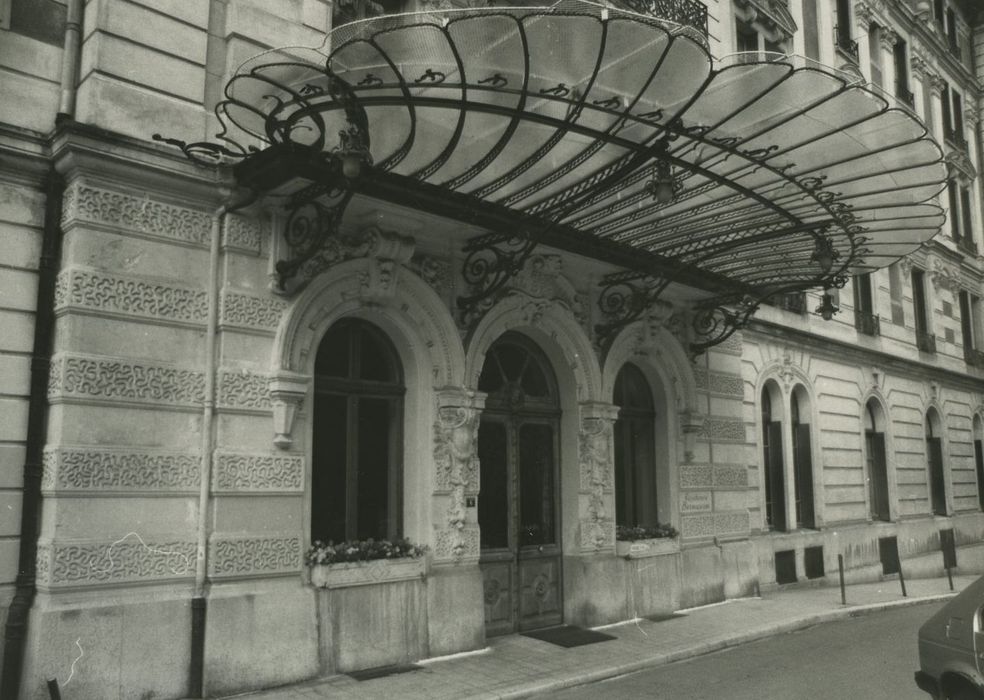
point(519, 504)
point(772, 461)
point(934, 458)
point(799, 407)
point(635, 450)
point(356, 471)
point(874, 444)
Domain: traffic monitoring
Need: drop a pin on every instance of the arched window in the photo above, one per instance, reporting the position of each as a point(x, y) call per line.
point(934, 457)
point(635, 450)
point(802, 458)
point(874, 442)
point(356, 484)
point(773, 475)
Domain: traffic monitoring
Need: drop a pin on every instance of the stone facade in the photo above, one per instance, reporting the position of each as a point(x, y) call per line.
point(181, 377)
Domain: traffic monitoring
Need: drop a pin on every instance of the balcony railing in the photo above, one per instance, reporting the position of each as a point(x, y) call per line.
point(792, 301)
point(686, 12)
point(974, 358)
point(905, 96)
point(844, 42)
point(967, 245)
point(925, 341)
point(867, 323)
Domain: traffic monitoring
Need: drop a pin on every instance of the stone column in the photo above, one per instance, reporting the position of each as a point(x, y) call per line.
point(936, 107)
point(456, 476)
point(862, 20)
point(887, 42)
point(918, 87)
point(596, 466)
point(972, 121)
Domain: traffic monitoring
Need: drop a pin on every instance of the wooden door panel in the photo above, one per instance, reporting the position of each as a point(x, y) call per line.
point(539, 592)
point(497, 582)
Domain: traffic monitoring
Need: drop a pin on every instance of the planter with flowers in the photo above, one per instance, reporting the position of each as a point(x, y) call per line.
point(364, 562)
point(646, 541)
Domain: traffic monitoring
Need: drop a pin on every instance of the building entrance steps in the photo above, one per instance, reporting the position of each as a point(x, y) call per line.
point(517, 666)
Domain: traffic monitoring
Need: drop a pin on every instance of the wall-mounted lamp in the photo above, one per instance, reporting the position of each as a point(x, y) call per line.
point(353, 151)
point(827, 307)
point(662, 186)
point(824, 253)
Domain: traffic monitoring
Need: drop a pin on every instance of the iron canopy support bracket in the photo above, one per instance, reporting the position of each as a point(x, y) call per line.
point(491, 261)
point(624, 298)
point(716, 320)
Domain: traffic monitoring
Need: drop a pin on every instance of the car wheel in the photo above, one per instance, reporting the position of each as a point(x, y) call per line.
point(963, 693)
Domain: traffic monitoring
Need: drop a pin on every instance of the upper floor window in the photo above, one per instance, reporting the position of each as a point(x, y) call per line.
point(842, 31)
point(924, 338)
point(874, 54)
point(865, 319)
point(811, 30)
point(901, 63)
point(895, 294)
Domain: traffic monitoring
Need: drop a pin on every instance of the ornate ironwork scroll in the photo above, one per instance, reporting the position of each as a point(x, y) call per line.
point(492, 260)
point(310, 225)
point(624, 298)
point(715, 321)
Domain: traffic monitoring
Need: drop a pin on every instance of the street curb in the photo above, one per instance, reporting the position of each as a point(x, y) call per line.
point(710, 647)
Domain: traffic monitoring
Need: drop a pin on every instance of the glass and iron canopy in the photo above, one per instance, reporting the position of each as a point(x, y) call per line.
point(607, 133)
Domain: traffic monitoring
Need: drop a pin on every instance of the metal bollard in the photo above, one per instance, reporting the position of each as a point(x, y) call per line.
point(53, 690)
point(949, 576)
point(902, 580)
point(840, 570)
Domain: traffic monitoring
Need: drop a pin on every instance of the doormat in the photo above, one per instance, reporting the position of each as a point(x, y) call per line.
point(382, 671)
point(568, 636)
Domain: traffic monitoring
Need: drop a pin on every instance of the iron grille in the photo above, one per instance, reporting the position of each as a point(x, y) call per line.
point(869, 324)
point(926, 341)
point(686, 12)
point(905, 96)
point(842, 37)
point(974, 358)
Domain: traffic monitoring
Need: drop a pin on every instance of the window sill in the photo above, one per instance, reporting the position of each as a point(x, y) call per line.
point(364, 573)
point(641, 549)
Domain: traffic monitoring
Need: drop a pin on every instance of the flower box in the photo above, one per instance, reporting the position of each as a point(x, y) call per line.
point(364, 573)
point(639, 549)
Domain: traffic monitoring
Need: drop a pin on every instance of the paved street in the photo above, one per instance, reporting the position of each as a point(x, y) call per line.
point(871, 656)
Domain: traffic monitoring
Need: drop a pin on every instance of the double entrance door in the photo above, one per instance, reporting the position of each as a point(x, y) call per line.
point(517, 512)
point(519, 505)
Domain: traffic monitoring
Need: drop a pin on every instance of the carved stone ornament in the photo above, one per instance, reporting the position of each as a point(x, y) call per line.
point(905, 265)
point(888, 38)
point(456, 463)
point(943, 276)
point(596, 467)
point(959, 165)
point(287, 390)
point(770, 17)
point(540, 284)
point(920, 66)
point(370, 242)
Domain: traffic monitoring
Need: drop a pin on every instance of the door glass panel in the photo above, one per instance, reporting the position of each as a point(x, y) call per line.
point(536, 468)
point(493, 499)
point(534, 382)
point(328, 472)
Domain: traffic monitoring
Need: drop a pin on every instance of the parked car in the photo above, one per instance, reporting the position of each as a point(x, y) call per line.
point(951, 648)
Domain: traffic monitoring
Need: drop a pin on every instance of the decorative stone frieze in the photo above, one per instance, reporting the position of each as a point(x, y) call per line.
point(130, 559)
point(243, 390)
point(731, 476)
point(101, 470)
point(596, 459)
point(434, 271)
point(723, 429)
point(254, 473)
point(243, 234)
point(719, 383)
point(135, 215)
point(731, 346)
point(701, 525)
point(251, 312)
point(920, 66)
point(456, 544)
point(118, 295)
point(888, 38)
point(905, 266)
point(714, 524)
point(694, 476)
point(731, 523)
point(456, 465)
point(244, 557)
point(98, 378)
point(287, 391)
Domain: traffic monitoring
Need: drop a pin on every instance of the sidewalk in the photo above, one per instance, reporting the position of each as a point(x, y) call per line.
point(515, 666)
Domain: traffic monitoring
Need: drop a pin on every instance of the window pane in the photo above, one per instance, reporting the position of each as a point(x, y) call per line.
point(333, 353)
point(493, 502)
point(534, 381)
point(536, 467)
point(375, 359)
point(512, 359)
point(373, 468)
point(328, 468)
